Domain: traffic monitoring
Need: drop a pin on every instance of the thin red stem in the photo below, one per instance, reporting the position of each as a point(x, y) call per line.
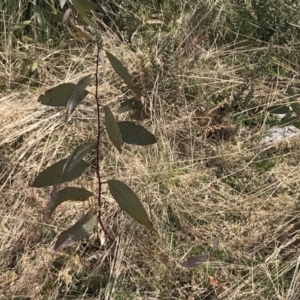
point(98, 147)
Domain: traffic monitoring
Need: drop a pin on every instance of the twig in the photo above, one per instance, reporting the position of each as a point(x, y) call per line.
point(98, 146)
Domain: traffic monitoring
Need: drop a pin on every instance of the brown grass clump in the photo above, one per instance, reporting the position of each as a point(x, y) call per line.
point(205, 174)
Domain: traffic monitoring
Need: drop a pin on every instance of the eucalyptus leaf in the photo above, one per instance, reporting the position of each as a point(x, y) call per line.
point(79, 5)
point(77, 155)
point(83, 5)
point(40, 17)
point(77, 95)
point(89, 5)
point(278, 109)
point(79, 231)
point(82, 21)
point(120, 69)
point(293, 100)
point(122, 72)
point(140, 115)
point(55, 17)
point(288, 120)
point(59, 95)
point(130, 104)
point(132, 133)
point(195, 261)
point(53, 174)
point(112, 129)
point(66, 194)
point(297, 123)
point(129, 202)
point(21, 25)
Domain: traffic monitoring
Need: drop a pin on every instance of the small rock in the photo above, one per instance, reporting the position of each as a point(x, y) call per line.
point(280, 133)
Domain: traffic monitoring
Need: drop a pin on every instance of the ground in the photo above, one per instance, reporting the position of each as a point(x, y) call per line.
point(207, 179)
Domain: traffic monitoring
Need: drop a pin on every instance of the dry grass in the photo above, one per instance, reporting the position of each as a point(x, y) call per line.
point(192, 183)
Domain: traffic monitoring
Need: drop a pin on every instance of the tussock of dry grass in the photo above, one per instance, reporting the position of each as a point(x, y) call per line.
point(192, 185)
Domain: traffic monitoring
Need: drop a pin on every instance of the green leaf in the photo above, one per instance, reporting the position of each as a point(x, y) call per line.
point(59, 95)
point(129, 202)
point(79, 5)
point(77, 94)
point(290, 92)
point(112, 129)
point(53, 174)
point(293, 100)
point(132, 133)
point(83, 21)
point(122, 72)
point(130, 104)
point(79, 231)
point(297, 123)
point(278, 109)
point(66, 194)
point(195, 261)
point(288, 120)
point(77, 155)
point(88, 5)
point(56, 18)
point(40, 17)
point(140, 115)
point(21, 25)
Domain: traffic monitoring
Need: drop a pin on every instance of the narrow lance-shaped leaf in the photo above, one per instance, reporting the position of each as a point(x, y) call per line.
point(140, 114)
point(53, 174)
point(278, 109)
point(132, 133)
point(120, 69)
point(130, 104)
point(129, 202)
point(40, 17)
point(21, 25)
point(89, 5)
point(76, 96)
point(59, 95)
point(77, 155)
point(55, 17)
point(288, 119)
point(195, 261)
point(66, 194)
point(293, 100)
point(80, 7)
point(112, 129)
point(79, 231)
point(83, 5)
point(297, 123)
point(122, 72)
